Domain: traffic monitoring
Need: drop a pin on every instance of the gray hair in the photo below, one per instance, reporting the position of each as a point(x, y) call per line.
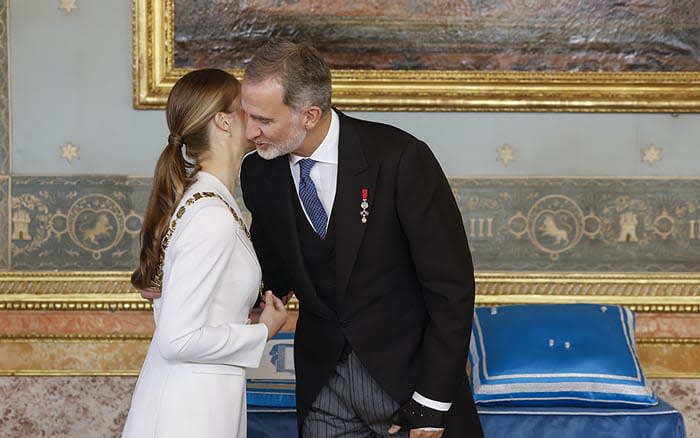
point(299, 68)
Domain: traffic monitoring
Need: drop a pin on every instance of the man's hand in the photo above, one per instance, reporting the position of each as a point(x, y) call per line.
point(150, 293)
point(423, 421)
point(418, 433)
point(285, 299)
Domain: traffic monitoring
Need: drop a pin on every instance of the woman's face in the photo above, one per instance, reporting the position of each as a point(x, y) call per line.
point(237, 122)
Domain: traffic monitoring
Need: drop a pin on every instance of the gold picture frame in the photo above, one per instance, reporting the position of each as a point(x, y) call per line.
point(154, 73)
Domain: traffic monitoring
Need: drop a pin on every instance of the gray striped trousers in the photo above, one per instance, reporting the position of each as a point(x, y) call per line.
point(351, 405)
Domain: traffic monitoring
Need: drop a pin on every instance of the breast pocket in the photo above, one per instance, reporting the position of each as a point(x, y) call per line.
point(217, 369)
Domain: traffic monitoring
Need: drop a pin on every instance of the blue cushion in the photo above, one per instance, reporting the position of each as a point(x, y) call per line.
point(272, 384)
point(556, 355)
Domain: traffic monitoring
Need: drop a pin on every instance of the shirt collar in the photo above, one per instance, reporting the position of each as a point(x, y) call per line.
point(327, 151)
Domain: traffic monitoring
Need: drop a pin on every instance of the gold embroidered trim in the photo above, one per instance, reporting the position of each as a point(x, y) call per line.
point(157, 282)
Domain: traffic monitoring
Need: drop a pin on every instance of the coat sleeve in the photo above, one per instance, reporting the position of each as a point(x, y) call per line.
point(273, 269)
point(438, 244)
point(198, 261)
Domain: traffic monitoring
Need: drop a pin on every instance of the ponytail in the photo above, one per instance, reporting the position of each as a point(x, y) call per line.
point(169, 184)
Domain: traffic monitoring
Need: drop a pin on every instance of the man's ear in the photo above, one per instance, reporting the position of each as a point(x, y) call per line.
point(311, 116)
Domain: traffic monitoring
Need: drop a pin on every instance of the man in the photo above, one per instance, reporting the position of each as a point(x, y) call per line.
point(358, 219)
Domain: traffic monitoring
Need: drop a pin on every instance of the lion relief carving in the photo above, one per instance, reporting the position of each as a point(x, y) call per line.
point(99, 229)
point(549, 228)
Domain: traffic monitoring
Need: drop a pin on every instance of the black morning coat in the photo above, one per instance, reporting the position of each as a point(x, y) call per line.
point(404, 278)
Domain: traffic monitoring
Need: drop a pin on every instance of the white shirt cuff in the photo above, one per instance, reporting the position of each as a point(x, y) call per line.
point(432, 404)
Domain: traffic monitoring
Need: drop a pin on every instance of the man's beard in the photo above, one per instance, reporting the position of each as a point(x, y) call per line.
point(274, 150)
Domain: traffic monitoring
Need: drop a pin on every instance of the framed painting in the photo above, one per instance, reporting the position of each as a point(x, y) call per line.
point(443, 55)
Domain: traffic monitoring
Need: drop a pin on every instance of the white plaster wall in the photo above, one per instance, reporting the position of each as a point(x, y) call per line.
point(71, 82)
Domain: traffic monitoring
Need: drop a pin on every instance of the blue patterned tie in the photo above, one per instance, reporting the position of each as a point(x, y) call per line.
point(309, 197)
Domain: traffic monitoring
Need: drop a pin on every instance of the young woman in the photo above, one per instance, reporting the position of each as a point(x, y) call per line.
point(196, 249)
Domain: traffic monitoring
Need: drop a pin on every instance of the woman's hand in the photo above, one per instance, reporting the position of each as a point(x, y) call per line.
point(150, 293)
point(273, 315)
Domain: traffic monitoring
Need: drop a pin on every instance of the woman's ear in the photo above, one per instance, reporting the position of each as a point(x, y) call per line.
point(221, 120)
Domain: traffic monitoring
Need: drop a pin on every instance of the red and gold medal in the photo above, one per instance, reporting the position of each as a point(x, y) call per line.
point(364, 205)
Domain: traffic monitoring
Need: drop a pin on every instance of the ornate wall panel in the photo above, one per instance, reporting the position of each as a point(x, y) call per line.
point(514, 224)
point(4, 92)
point(76, 223)
point(583, 224)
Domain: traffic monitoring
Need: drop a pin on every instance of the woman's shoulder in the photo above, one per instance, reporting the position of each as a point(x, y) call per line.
point(203, 208)
point(206, 222)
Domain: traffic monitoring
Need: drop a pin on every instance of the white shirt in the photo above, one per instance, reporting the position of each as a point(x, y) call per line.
point(324, 174)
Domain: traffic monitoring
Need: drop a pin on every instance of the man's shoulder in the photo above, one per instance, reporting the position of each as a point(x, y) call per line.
point(254, 163)
point(373, 127)
point(390, 137)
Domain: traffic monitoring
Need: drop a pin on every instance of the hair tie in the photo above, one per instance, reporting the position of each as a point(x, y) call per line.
point(175, 140)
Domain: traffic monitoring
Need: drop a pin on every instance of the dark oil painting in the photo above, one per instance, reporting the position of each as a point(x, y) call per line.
point(457, 35)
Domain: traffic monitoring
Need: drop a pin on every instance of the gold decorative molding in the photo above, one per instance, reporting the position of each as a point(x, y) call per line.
point(141, 337)
point(69, 291)
point(388, 90)
point(678, 292)
point(90, 290)
point(75, 337)
point(641, 292)
point(669, 358)
point(669, 341)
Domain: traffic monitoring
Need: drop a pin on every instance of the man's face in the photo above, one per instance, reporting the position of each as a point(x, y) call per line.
point(275, 128)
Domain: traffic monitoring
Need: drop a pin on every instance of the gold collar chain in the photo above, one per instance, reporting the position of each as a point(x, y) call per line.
point(157, 282)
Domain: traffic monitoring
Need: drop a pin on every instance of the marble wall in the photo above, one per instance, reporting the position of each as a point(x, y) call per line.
point(96, 407)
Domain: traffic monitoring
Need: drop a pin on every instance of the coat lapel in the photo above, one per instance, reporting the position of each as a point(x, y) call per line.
point(354, 175)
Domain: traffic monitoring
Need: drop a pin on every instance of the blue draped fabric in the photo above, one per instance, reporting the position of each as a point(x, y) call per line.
point(265, 422)
point(660, 421)
point(271, 394)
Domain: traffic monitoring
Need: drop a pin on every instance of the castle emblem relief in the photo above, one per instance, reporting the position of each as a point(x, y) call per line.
point(628, 227)
point(20, 225)
point(96, 223)
point(29, 216)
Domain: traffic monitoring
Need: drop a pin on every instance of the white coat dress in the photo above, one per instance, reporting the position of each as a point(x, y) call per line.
point(192, 383)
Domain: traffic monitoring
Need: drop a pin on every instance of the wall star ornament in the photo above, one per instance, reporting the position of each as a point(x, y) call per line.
point(505, 154)
point(651, 154)
point(68, 5)
point(70, 152)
